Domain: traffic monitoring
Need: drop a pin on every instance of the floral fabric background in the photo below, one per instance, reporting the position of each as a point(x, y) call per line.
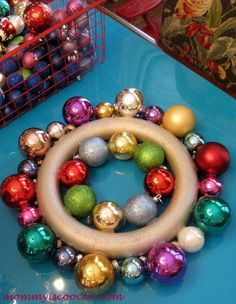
point(202, 34)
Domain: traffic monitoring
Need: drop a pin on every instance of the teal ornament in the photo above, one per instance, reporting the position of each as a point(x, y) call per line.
point(4, 8)
point(132, 271)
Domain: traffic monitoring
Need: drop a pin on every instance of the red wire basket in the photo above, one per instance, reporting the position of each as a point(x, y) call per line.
point(56, 63)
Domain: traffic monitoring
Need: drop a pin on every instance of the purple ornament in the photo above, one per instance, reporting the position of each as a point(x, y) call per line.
point(210, 186)
point(166, 263)
point(154, 114)
point(59, 15)
point(69, 46)
point(65, 258)
point(16, 56)
point(84, 38)
point(77, 110)
point(74, 31)
point(62, 32)
point(74, 6)
point(82, 22)
point(28, 215)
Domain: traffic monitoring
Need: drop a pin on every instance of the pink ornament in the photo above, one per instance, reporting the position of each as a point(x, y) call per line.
point(59, 15)
point(28, 60)
point(69, 46)
point(210, 186)
point(28, 37)
point(28, 215)
point(84, 38)
point(74, 6)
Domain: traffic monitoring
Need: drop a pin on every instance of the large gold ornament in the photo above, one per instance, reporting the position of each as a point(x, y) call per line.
point(122, 145)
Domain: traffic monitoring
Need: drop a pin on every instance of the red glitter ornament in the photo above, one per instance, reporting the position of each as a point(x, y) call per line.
point(17, 190)
point(159, 182)
point(212, 158)
point(74, 172)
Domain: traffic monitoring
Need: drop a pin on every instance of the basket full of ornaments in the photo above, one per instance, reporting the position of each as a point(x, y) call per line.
point(44, 46)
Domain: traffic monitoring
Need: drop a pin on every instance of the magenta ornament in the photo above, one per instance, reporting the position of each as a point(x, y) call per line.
point(74, 31)
point(69, 46)
point(74, 6)
point(77, 110)
point(59, 15)
point(28, 215)
point(28, 60)
point(166, 263)
point(210, 186)
point(154, 114)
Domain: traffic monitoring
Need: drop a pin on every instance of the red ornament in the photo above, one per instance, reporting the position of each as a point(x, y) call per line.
point(38, 17)
point(74, 172)
point(17, 190)
point(212, 158)
point(159, 182)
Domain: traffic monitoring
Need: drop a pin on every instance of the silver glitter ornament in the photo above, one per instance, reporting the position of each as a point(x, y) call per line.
point(192, 141)
point(140, 210)
point(132, 271)
point(93, 151)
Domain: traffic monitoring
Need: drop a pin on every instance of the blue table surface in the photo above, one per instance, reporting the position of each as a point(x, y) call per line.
point(130, 62)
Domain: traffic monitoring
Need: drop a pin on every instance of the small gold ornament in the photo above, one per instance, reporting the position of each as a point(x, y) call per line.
point(104, 109)
point(129, 102)
point(122, 145)
point(56, 130)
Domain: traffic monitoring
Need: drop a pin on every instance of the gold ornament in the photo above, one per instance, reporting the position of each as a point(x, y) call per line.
point(104, 109)
point(94, 274)
point(56, 130)
point(179, 120)
point(122, 145)
point(107, 216)
point(129, 102)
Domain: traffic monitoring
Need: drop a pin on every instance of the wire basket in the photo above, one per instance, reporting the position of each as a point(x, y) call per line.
point(61, 54)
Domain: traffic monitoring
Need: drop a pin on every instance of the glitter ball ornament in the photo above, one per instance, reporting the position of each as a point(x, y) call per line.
point(154, 114)
point(210, 186)
point(132, 271)
point(191, 239)
point(65, 258)
point(34, 142)
point(56, 130)
point(17, 188)
point(123, 145)
point(129, 102)
point(4, 8)
point(93, 151)
point(28, 215)
point(28, 167)
point(94, 274)
point(148, 156)
point(192, 141)
point(73, 6)
point(211, 214)
point(166, 263)
point(36, 242)
point(140, 210)
point(77, 110)
point(73, 172)
point(103, 110)
point(80, 200)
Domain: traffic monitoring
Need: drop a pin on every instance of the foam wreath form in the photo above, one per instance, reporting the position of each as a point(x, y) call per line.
point(117, 245)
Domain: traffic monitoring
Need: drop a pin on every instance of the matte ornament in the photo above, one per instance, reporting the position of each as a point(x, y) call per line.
point(94, 274)
point(123, 145)
point(191, 239)
point(193, 141)
point(129, 102)
point(65, 258)
point(28, 167)
point(132, 271)
point(211, 214)
point(103, 110)
point(210, 186)
point(28, 215)
point(73, 172)
point(154, 114)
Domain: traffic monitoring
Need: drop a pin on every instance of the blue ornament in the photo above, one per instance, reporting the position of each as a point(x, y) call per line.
point(8, 66)
point(15, 80)
point(30, 98)
point(47, 88)
point(73, 70)
point(17, 98)
point(57, 61)
point(43, 68)
point(8, 112)
point(28, 167)
point(33, 83)
point(2, 97)
point(60, 79)
point(132, 271)
point(39, 52)
point(65, 258)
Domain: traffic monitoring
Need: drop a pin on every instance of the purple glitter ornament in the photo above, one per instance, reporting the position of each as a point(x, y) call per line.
point(154, 114)
point(77, 110)
point(28, 215)
point(210, 186)
point(166, 263)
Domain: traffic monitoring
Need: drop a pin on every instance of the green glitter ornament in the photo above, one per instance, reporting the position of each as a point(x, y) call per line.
point(36, 242)
point(80, 200)
point(4, 8)
point(148, 156)
point(26, 73)
point(211, 214)
point(17, 40)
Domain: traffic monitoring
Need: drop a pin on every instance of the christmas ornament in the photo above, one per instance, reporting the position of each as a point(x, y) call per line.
point(20, 7)
point(26, 73)
point(166, 263)
point(10, 27)
point(16, 56)
point(2, 80)
point(80, 201)
point(4, 8)
point(28, 167)
point(36, 242)
point(28, 215)
point(17, 188)
point(75, 56)
point(34, 142)
point(103, 110)
point(28, 60)
point(210, 186)
point(43, 68)
point(129, 102)
point(212, 158)
point(148, 156)
point(69, 46)
point(73, 6)
point(179, 120)
point(82, 22)
point(77, 110)
point(94, 274)
point(14, 80)
point(132, 271)
point(192, 141)
point(8, 66)
point(56, 130)
point(2, 97)
point(211, 214)
point(93, 151)
point(73, 172)
point(65, 258)
point(107, 216)
point(191, 239)
point(59, 15)
point(16, 97)
point(123, 145)
point(140, 209)
point(154, 114)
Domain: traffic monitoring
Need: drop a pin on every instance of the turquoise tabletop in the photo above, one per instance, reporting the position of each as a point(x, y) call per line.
point(130, 62)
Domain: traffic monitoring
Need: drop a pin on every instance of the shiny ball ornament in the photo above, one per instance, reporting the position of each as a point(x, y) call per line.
point(65, 258)
point(28, 167)
point(148, 156)
point(28, 60)
point(107, 216)
point(154, 114)
point(93, 151)
point(4, 8)
point(77, 110)
point(2, 80)
point(104, 110)
point(123, 145)
point(73, 172)
point(17, 188)
point(193, 141)
point(132, 271)
point(210, 186)
point(38, 17)
point(140, 210)
point(36, 242)
point(80, 200)
point(56, 130)
point(179, 120)
point(20, 7)
point(211, 214)
point(28, 215)
point(59, 15)
point(159, 182)
point(94, 274)
point(16, 56)
point(129, 102)
point(191, 239)
point(2, 97)
point(212, 158)
point(166, 263)
point(69, 46)
point(74, 6)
